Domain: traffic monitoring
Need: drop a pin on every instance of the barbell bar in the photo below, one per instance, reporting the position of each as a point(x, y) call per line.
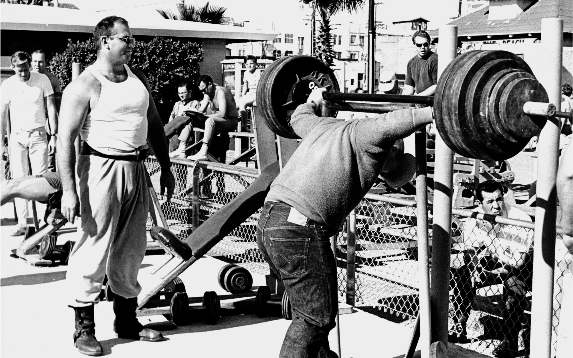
point(487, 104)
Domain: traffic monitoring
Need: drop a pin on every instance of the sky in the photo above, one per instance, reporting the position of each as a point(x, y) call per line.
point(438, 12)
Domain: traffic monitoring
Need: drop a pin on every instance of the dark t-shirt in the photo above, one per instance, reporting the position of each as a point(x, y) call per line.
point(422, 73)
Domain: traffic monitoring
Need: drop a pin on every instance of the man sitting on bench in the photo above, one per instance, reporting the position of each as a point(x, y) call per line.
point(224, 118)
point(494, 254)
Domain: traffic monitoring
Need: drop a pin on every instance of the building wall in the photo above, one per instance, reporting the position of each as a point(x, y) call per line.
point(214, 53)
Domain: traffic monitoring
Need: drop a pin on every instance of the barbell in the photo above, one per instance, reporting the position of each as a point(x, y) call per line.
point(487, 105)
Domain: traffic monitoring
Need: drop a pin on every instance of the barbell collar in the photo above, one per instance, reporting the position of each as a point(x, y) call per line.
point(368, 97)
point(539, 109)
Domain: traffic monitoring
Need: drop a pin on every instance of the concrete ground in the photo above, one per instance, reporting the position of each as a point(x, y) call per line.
point(35, 321)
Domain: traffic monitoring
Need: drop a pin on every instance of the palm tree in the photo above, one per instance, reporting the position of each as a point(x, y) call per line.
point(189, 12)
point(325, 9)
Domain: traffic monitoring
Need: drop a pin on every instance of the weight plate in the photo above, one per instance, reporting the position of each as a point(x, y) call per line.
point(261, 301)
point(461, 84)
point(285, 84)
point(68, 247)
point(286, 309)
point(175, 285)
point(494, 113)
point(493, 145)
point(487, 111)
point(180, 309)
point(515, 95)
point(47, 246)
point(238, 280)
point(222, 273)
point(443, 98)
point(212, 307)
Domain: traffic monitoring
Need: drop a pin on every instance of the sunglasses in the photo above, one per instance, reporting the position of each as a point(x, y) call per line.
point(127, 39)
point(425, 44)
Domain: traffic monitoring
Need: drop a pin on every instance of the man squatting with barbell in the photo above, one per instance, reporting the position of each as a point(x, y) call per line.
point(335, 165)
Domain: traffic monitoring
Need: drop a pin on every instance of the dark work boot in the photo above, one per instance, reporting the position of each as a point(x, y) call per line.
point(126, 324)
point(84, 336)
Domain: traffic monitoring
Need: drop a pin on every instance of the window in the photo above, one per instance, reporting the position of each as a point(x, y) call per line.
point(334, 39)
point(338, 55)
point(277, 40)
point(288, 53)
point(352, 39)
point(241, 52)
point(289, 38)
point(277, 53)
point(361, 40)
point(354, 55)
point(340, 40)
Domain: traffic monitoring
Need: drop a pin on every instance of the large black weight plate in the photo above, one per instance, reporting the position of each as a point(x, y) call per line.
point(494, 109)
point(442, 100)
point(461, 85)
point(212, 307)
point(487, 111)
point(261, 301)
point(494, 145)
point(515, 95)
point(238, 280)
point(47, 246)
point(285, 84)
point(222, 273)
point(180, 309)
point(286, 309)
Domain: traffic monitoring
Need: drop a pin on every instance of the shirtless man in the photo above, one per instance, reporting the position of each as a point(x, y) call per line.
point(224, 118)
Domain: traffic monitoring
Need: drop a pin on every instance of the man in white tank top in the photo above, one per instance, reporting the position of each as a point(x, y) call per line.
point(111, 107)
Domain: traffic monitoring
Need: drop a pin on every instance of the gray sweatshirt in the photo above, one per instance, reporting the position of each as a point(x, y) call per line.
point(337, 161)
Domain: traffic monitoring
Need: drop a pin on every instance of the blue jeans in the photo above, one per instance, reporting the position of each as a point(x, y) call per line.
point(302, 258)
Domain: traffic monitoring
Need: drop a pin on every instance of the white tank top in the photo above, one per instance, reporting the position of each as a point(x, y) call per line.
point(118, 123)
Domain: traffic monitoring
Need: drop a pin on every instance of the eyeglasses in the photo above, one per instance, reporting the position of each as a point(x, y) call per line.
point(127, 39)
point(425, 44)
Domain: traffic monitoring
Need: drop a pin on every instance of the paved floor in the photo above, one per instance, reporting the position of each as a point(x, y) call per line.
point(35, 321)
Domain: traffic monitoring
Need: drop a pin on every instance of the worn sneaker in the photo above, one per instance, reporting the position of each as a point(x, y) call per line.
point(505, 349)
point(19, 230)
point(177, 154)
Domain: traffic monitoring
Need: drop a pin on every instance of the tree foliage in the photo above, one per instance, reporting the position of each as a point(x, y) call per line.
point(165, 62)
point(189, 12)
point(326, 8)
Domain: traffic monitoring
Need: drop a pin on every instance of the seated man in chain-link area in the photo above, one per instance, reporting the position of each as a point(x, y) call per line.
point(335, 165)
point(494, 254)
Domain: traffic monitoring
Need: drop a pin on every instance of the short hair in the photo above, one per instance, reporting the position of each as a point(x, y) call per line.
point(40, 52)
point(251, 58)
point(196, 93)
point(205, 78)
point(20, 55)
point(421, 33)
point(566, 89)
point(103, 28)
point(488, 186)
point(184, 83)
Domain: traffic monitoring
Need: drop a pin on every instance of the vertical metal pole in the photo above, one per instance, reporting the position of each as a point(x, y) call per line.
point(337, 347)
point(371, 46)
point(441, 228)
point(351, 258)
point(422, 231)
point(546, 209)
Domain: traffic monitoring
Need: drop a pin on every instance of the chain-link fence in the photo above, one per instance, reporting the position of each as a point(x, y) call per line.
point(377, 256)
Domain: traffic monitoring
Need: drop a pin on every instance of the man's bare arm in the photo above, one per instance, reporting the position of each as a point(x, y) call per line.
point(158, 142)
point(408, 90)
point(428, 91)
point(73, 111)
point(52, 120)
